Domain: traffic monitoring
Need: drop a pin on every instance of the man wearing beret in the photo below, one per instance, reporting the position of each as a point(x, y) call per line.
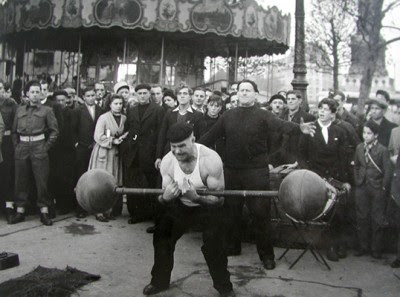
point(139, 151)
point(277, 102)
point(276, 140)
point(187, 168)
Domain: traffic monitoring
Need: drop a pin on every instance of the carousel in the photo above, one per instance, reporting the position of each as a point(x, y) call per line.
point(154, 41)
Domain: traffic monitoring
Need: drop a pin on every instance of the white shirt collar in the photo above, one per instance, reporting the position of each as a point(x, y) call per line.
point(324, 126)
point(43, 101)
point(187, 110)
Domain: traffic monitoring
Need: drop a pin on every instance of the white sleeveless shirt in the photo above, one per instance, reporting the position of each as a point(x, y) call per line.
point(194, 177)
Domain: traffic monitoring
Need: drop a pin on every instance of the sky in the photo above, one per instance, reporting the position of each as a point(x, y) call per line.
point(392, 19)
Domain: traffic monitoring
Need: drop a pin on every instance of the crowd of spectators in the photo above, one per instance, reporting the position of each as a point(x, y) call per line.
point(49, 139)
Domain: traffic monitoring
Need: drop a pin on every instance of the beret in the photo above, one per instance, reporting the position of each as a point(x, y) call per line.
point(179, 132)
point(142, 86)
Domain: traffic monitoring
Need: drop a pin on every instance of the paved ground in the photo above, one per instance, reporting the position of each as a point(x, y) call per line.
point(122, 254)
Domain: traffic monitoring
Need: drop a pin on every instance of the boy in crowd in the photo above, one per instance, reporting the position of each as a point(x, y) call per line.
point(372, 176)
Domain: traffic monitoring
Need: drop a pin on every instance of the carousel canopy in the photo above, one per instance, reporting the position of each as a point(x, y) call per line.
point(244, 23)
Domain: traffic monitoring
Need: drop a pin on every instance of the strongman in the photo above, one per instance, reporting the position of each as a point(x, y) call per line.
point(186, 168)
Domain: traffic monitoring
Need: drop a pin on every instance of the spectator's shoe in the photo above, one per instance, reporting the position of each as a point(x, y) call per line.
point(395, 264)
point(360, 252)
point(18, 218)
point(45, 219)
point(269, 264)
point(151, 229)
point(151, 289)
point(81, 214)
point(376, 255)
point(341, 252)
point(10, 213)
point(331, 254)
point(228, 294)
point(101, 218)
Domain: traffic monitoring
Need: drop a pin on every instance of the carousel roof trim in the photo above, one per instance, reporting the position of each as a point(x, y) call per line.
point(245, 20)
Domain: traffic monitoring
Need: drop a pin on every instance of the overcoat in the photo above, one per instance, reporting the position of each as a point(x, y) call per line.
point(105, 154)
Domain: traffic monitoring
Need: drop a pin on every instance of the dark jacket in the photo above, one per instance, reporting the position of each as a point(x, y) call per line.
point(366, 172)
point(325, 159)
point(385, 129)
point(141, 143)
point(34, 121)
point(290, 143)
point(170, 118)
point(246, 131)
point(83, 126)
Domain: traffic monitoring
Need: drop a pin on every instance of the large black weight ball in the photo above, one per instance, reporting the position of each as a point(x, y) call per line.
point(303, 195)
point(95, 191)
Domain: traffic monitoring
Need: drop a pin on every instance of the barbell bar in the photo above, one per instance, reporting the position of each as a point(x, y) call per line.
point(225, 193)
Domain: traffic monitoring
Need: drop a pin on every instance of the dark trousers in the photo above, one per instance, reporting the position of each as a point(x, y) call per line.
point(82, 159)
point(7, 172)
point(172, 224)
point(61, 180)
point(260, 208)
point(370, 208)
point(31, 157)
point(140, 206)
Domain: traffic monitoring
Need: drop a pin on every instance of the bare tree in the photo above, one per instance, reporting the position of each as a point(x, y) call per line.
point(370, 17)
point(328, 35)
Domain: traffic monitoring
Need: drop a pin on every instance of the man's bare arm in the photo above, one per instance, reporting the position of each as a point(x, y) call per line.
point(213, 168)
point(171, 189)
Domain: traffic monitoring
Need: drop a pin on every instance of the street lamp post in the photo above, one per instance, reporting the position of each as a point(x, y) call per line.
point(299, 81)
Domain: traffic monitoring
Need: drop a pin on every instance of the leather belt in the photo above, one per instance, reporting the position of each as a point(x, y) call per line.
point(7, 133)
point(31, 138)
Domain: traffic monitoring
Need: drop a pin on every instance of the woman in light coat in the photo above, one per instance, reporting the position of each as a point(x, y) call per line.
point(108, 135)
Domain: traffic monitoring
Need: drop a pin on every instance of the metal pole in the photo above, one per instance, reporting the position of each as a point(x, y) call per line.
point(162, 61)
point(236, 61)
point(244, 193)
point(124, 53)
point(299, 81)
point(33, 65)
point(245, 68)
point(78, 82)
point(124, 57)
point(23, 65)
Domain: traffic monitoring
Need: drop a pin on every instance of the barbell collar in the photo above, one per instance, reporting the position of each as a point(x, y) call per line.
point(225, 193)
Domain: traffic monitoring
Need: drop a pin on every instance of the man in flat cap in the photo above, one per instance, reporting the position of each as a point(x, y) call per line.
point(378, 108)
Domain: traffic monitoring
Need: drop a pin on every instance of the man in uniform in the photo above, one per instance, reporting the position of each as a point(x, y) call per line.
point(186, 168)
point(246, 129)
point(8, 107)
point(31, 122)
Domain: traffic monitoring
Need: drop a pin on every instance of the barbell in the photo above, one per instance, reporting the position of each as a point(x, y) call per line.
point(303, 194)
point(97, 191)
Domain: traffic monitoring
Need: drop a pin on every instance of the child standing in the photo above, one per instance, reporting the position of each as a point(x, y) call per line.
point(372, 179)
